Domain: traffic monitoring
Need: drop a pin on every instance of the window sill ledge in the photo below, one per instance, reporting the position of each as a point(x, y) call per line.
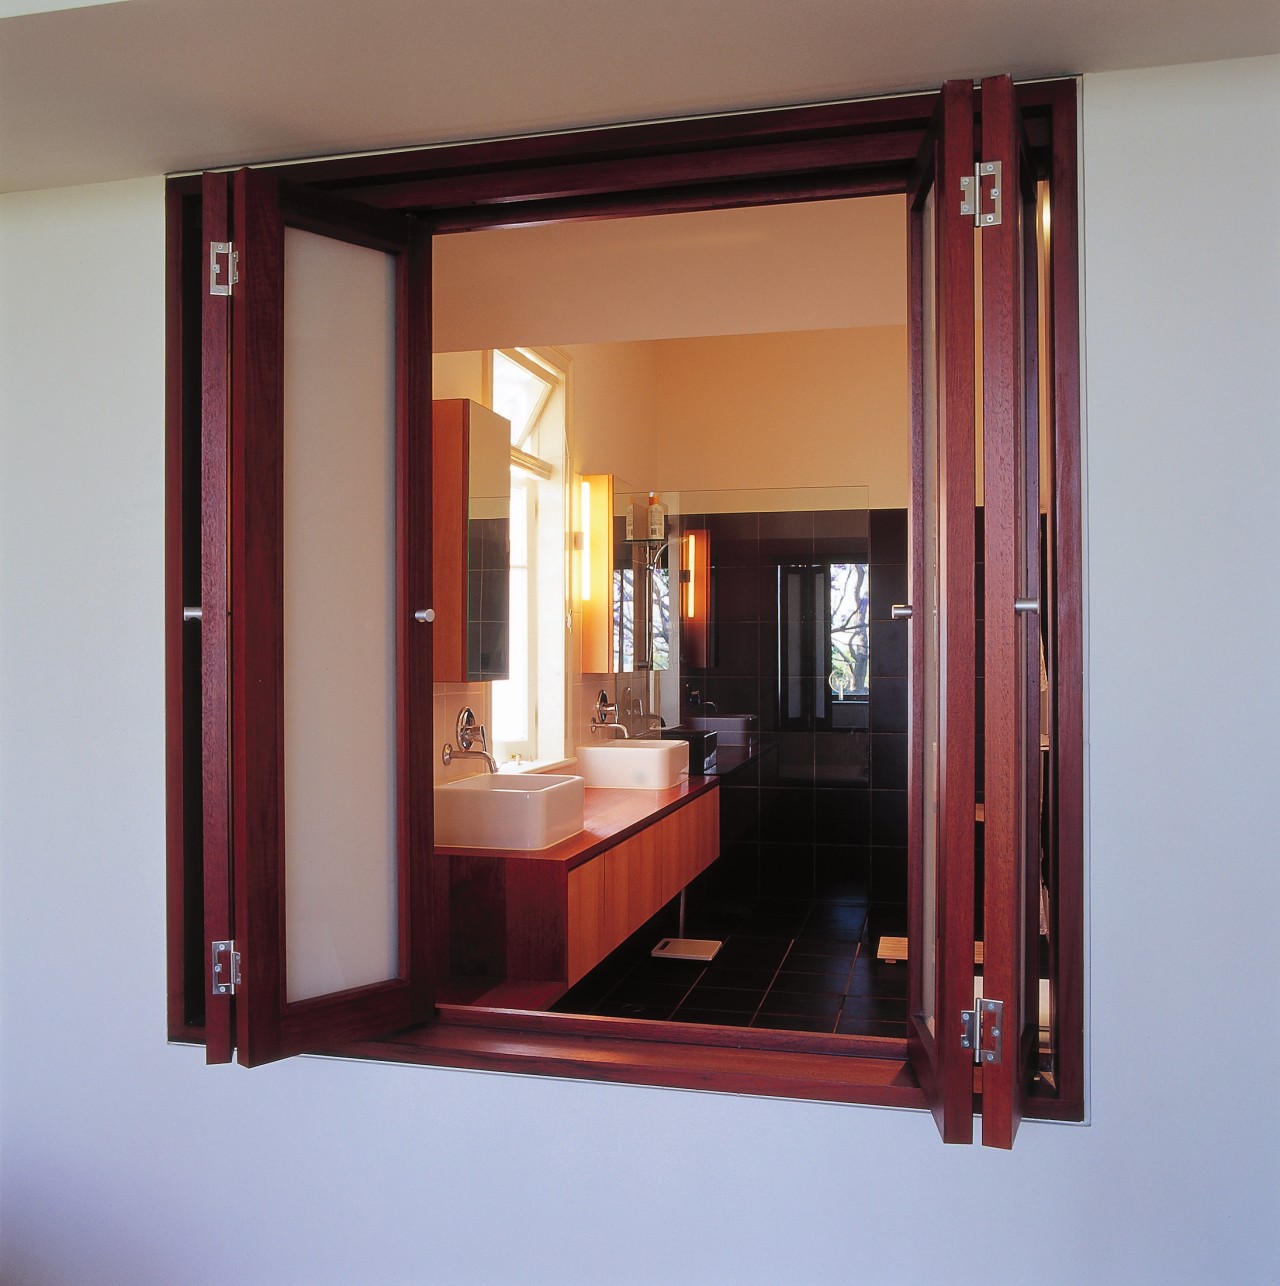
point(534, 766)
point(866, 1070)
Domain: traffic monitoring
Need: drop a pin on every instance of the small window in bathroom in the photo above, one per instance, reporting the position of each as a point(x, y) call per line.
point(528, 707)
point(847, 618)
point(521, 390)
point(823, 643)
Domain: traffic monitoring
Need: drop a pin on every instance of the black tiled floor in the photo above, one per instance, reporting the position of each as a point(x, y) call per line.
point(813, 983)
point(718, 975)
point(823, 1005)
point(794, 964)
point(728, 999)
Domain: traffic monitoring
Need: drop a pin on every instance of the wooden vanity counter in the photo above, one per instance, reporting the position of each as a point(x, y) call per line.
point(531, 923)
point(609, 816)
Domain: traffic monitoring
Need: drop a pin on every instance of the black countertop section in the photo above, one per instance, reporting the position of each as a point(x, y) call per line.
point(745, 749)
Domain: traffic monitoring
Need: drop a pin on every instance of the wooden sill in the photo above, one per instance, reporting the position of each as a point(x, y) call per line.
point(729, 1060)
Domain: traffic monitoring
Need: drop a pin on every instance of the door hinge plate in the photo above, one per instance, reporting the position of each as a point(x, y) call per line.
point(982, 1030)
point(227, 249)
point(226, 968)
point(972, 194)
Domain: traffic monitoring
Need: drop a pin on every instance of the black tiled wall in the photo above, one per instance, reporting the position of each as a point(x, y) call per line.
point(488, 593)
point(822, 811)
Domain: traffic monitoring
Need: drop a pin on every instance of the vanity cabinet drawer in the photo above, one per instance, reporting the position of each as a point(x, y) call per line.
point(690, 843)
point(632, 888)
point(611, 896)
point(585, 936)
point(526, 919)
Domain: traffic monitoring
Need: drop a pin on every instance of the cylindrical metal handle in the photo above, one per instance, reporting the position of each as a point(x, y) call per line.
point(900, 612)
point(192, 614)
point(425, 615)
point(1021, 605)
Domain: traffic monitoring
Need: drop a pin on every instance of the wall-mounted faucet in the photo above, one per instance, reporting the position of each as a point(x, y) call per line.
point(606, 716)
point(696, 705)
point(467, 732)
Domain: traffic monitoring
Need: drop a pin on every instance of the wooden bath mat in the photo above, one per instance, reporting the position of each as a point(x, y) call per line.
point(894, 951)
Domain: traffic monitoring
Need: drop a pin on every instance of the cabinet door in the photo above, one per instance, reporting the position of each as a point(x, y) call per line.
point(587, 931)
point(691, 842)
point(941, 787)
point(633, 884)
point(330, 673)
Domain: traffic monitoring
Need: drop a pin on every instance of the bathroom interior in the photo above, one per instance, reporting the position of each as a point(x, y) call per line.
point(707, 422)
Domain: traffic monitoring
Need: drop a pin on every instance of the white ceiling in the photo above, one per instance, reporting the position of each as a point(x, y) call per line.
point(811, 266)
point(151, 86)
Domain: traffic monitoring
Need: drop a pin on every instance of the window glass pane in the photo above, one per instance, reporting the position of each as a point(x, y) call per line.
point(512, 696)
point(519, 549)
point(624, 618)
point(660, 618)
point(518, 395)
point(339, 605)
point(847, 613)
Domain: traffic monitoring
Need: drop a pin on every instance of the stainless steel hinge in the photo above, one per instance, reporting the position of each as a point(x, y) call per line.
point(226, 968)
point(226, 248)
point(982, 1030)
point(971, 200)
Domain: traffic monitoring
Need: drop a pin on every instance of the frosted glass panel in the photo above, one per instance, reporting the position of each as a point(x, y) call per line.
point(339, 603)
point(928, 617)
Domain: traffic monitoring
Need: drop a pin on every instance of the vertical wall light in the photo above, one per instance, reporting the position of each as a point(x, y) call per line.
point(690, 559)
point(695, 597)
point(584, 542)
point(696, 576)
point(595, 565)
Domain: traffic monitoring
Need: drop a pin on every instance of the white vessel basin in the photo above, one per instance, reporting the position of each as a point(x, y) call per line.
point(529, 810)
point(636, 765)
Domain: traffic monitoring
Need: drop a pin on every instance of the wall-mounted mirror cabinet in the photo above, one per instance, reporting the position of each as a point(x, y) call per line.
point(471, 527)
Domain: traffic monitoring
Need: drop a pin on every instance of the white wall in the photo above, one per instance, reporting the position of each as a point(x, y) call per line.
point(122, 1159)
point(800, 409)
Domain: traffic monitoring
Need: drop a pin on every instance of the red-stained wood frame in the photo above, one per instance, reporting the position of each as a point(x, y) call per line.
point(215, 605)
point(945, 1068)
point(184, 903)
point(267, 1025)
point(841, 150)
point(1011, 670)
point(1066, 548)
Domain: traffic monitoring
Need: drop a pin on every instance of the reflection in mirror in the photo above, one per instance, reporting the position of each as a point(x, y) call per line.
point(786, 635)
point(471, 503)
point(641, 592)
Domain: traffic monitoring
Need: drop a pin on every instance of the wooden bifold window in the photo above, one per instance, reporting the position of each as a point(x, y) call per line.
point(294, 557)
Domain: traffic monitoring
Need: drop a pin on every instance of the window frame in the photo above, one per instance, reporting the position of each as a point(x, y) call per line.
point(549, 382)
point(850, 149)
point(546, 484)
point(527, 746)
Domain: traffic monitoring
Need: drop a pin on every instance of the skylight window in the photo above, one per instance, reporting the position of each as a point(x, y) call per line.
point(520, 391)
